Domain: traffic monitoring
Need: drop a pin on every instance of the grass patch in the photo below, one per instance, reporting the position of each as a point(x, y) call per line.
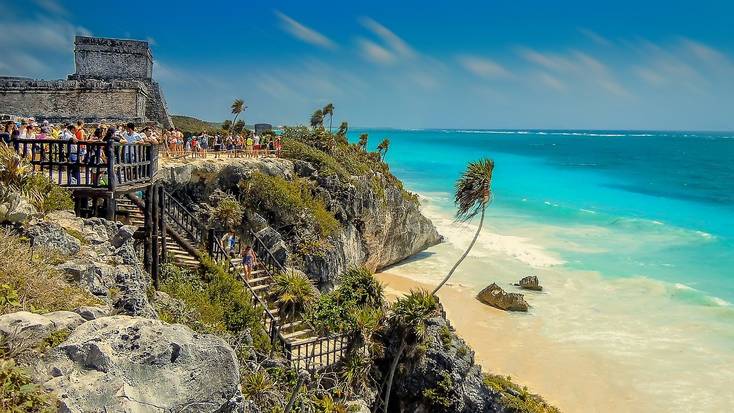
point(30, 282)
point(517, 399)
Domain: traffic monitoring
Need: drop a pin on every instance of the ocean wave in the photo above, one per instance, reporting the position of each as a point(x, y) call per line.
point(693, 296)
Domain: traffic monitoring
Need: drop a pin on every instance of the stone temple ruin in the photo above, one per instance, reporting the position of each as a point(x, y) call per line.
point(113, 83)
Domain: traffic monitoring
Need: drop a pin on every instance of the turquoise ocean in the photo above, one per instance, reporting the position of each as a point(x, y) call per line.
point(636, 226)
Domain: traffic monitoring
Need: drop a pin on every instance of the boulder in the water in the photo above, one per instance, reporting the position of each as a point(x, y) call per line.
point(495, 296)
point(530, 283)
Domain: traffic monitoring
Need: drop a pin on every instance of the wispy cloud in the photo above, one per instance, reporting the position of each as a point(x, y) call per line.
point(374, 52)
point(51, 6)
point(391, 40)
point(551, 82)
point(483, 67)
point(595, 37)
point(303, 33)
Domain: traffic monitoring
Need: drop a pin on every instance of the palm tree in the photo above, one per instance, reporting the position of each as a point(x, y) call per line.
point(473, 193)
point(317, 119)
point(363, 141)
point(328, 110)
point(238, 106)
point(343, 129)
point(293, 292)
point(239, 126)
point(409, 318)
point(383, 147)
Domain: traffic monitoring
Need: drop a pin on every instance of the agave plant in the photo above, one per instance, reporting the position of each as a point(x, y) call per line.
point(473, 193)
point(293, 293)
point(228, 212)
point(360, 285)
point(14, 170)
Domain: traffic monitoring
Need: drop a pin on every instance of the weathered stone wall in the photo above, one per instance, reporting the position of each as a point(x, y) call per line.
point(71, 100)
point(113, 82)
point(100, 58)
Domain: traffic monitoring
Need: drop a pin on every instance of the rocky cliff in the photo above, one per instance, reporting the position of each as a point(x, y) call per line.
point(379, 223)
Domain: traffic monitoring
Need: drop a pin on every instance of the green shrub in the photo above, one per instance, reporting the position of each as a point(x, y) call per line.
point(51, 197)
point(445, 333)
point(517, 399)
point(293, 293)
point(289, 202)
point(221, 304)
point(18, 393)
point(440, 395)
point(228, 212)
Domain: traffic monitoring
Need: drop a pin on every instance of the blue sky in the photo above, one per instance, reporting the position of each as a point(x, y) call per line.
point(413, 64)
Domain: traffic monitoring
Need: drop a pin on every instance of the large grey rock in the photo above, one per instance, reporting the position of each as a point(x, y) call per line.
point(92, 313)
point(495, 296)
point(130, 364)
point(23, 329)
point(67, 320)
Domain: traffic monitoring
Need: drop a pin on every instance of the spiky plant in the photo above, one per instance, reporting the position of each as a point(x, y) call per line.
point(410, 315)
point(227, 213)
point(259, 387)
point(293, 293)
point(473, 194)
point(361, 286)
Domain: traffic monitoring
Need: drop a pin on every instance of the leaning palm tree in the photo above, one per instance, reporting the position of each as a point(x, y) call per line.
point(343, 129)
point(238, 106)
point(383, 147)
point(473, 193)
point(317, 119)
point(328, 110)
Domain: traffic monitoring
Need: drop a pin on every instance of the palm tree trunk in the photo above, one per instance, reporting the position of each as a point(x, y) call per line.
point(393, 367)
point(474, 240)
point(330, 117)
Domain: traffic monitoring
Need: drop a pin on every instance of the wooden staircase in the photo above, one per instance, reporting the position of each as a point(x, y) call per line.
point(130, 213)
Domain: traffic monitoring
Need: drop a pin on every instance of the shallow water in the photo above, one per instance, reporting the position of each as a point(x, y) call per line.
point(632, 234)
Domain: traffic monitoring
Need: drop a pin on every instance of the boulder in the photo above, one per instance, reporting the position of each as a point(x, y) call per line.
point(16, 209)
point(25, 330)
point(132, 364)
point(65, 320)
point(495, 296)
point(530, 283)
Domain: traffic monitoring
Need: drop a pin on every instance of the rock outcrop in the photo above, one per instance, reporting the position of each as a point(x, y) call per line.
point(495, 296)
point(15, 209)
point(99, 255)
point(530, 283)
point(380, 225)
point(29, 329)
point(131, 364)
point(444, 378)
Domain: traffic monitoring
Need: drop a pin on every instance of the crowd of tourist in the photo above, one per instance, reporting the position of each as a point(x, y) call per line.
point(246, 144)
point(173, 141)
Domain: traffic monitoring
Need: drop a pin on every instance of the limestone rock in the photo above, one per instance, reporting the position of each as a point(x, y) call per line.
point(65, 320)
point(530, 283)
point(53, 236)
point(92, 313)
point(25, 326)
point(495, 296)
point(15, 209)
point(141, 365)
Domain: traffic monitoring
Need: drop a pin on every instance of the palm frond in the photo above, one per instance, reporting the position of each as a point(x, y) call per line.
point(473, 189)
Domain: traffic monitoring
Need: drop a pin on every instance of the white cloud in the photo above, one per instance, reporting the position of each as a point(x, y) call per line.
point(51, 6)
point(551, 82)
point(595, 37)
point(374, 52)
point(304, 33)
point(483, 67)
point(390, 39)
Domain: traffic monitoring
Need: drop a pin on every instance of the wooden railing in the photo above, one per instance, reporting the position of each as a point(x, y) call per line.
point(104, 165)
point(183, 219)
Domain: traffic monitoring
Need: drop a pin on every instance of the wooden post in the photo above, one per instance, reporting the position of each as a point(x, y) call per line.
point(111, 206)
point(147, 245)
point(109, 152)
point(162, 222)
point(210, 243)
point(155, 267)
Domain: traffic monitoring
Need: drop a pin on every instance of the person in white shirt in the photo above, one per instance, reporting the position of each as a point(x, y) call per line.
point(130, 136)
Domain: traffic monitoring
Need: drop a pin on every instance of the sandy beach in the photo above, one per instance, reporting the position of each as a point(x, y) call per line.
point(512, 344)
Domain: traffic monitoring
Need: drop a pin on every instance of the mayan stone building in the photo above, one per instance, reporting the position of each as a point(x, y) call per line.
point(113, 83)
